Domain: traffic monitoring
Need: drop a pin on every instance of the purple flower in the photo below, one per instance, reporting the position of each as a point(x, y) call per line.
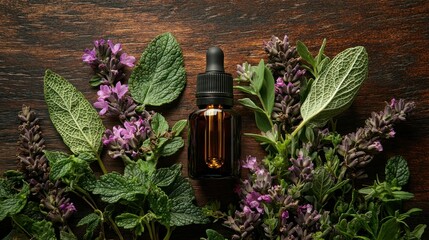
point(99, 43)
point(101, 104)
point(266, 198)
point(115, 48)
point(253, 203)
point(67, 207)
point(393, 103)
point(120, 89)
point(127, 60)
point(104, 92)
point(376, 145)
point(285, 215)
point(279, 85)
point(89, 56)
point(251, 163)
point(391, 134)
point(307, 208)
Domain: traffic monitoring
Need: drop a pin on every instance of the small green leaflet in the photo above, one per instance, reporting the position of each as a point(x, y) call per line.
point(172, 146)
point(213, 235)
point(159, 125)
point(183, 212)
point(179, 126)
point(159, 77)
point(43, 230)
point(397, 170)
point(334, 90)
point(91, 221)
point(13, 203)
point(163, 177)
point(73, 116)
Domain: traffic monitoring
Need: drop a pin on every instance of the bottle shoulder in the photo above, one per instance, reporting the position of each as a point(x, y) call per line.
point(210, 111)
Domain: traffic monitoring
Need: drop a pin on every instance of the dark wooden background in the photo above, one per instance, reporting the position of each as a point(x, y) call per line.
point(36, 35)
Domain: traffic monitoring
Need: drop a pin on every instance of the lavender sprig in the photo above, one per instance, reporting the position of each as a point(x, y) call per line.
point(358, 148)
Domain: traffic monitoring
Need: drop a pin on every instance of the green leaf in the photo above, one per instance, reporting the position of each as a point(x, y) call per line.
point(397, 170)
point(159, 124)
point(159, 77)
point(92, 221)
point(320, 55)
point(73, 116)
point(261, 138)
point(127, 220)
point(61, 169)
point(179, 126)
point(418, 231)
point(389, 230)
point(67, 235)
point(55, 156)
point(250, 104)
point(213, 235)
point(262, 122)
point(43, 230)
point(184, 213)
point(304, 53)
point(267, 91)
point(334, 90)
point(112, 187)
point(95, 81)
point(165, 176)
point(258, 81)
point(160, 205)
point(245, 89)
point(13, 204)
point(172, 146)
point(322, 183)
point(180, 188)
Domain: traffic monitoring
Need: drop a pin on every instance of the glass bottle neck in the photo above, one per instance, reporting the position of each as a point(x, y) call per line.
point(214, 106)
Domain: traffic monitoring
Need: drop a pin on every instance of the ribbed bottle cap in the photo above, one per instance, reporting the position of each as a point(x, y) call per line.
point(214, 86)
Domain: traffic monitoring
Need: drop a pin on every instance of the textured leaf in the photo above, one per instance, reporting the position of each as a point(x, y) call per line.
point(64, 235)
point(397, 170)
point(179, 126)
point(158, 124)
point(43, 230)
point(262, 122)
point(172, 146)
point(160, 205)
point(92, 221)
point(127, 220)
point(54, 156)
point(112, 187)
point(334, 90)
point(213, 235)
point(159, 76)
point(322, 183)
point(165, 176)
point(73, 116)
point(185, 213)
point(13, 204)
point(180, 188)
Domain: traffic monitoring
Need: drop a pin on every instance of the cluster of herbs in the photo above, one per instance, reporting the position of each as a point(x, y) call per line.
point(309, 185)
point(37, 197)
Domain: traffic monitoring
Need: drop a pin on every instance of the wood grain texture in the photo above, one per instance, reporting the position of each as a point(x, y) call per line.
point(36, 35)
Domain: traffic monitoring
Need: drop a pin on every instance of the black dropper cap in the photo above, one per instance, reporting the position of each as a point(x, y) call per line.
point(215, 85)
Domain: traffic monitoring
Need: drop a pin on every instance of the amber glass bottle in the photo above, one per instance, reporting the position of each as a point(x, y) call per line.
point(214, 129)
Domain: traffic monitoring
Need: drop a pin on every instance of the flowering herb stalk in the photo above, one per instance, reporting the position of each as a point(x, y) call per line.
point(37, 199)
point(307, 187)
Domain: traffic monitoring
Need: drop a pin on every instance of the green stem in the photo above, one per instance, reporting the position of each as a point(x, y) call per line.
point(115, 228)
point(300, 126)
point(101, 164)
point(22, 228)
point(150, 230)
point(169, 231)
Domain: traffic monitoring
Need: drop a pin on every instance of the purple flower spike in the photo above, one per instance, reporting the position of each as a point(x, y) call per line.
point(115, 48)
point(103, 105)
point(127, 60)
point(89, 56)
point(251, 163)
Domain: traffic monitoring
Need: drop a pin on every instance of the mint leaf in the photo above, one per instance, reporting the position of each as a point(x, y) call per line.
point(11, 204)
point(165, 176)
point(213, 235)
point(160, 205)
point(334, 90)
point(54, 156)
point(127, 220)
point(112, 187)
point(71, 169)
point(179, 126)
point(92, 221)
point(172, 146)
point(67, 235)
point(73, 116)
point(183, 212)
point(159, 77)
point(158, 124)
point(397, 171)
point(180, 188)
point(43, 230)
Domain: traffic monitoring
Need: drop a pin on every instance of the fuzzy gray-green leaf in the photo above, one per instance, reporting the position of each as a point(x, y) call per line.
point(159, 76)
point(73, 116)
point(334, 90)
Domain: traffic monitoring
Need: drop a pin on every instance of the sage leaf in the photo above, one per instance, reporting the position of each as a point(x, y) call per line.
point(334, 90)
point(258, 80)
point(267, 91)
point(159, 77)
point(73, 116)
point(246, 89)
point(304, 53)
point(397, 171)
point(262, 122)
point(247, 102)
